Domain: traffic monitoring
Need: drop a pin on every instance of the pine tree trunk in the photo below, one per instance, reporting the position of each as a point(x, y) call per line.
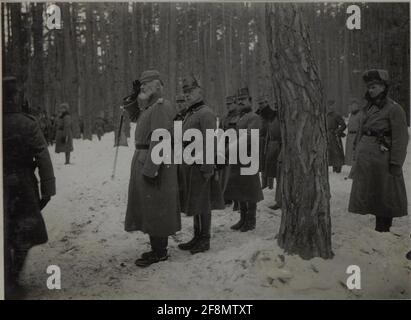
point(305, 223)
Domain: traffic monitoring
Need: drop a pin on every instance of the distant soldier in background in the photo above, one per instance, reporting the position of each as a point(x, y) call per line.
point(245, 188)
point(378, 186)
point(229, 121)
point(99, 127)
point(200, 192)
point(25, 149)
point(271, 145)
point(353, 127)
point(152, 205)
point(64, 135)
point(335, 131)
point(52, 129)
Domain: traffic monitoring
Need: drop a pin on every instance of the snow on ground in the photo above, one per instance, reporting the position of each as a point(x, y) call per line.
point(96, 256)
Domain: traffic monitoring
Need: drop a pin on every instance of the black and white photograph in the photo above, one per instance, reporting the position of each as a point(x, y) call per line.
point(216, 150)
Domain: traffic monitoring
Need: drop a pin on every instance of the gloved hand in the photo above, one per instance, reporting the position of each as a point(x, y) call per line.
point(136, 87)
point(395, 170)
point(154, 181)
point(43, 202)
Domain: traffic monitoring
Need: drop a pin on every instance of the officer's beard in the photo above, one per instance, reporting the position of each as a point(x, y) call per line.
point(144, 96)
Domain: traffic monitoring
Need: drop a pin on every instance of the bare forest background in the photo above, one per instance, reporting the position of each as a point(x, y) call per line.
point(102, 47)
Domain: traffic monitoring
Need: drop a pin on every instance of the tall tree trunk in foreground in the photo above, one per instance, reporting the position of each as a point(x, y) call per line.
point(305, 223)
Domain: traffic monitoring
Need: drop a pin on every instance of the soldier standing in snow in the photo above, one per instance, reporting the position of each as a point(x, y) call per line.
point(229, 121)
point(64, 134)
point(380, 148)
point(200, 192)
point(245, 188)
point(335, 130)
point(25, 149)
point(271, 145)
point(152, 206)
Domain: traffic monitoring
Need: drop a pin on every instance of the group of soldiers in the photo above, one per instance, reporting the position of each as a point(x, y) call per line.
point(159, 193)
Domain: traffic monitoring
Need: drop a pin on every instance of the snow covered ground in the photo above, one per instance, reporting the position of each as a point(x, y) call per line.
point(96, 256)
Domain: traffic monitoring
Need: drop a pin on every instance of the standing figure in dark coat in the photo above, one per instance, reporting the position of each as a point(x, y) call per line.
point(24, 150)
point(52, 130)
point(335, 131)
point(271, 145)
point(64, 134)
point(380, 148)
point(200, 191)
point(229, 121)
point(245, 188)
point(353, 127)
point(99, 127)
point(152, 206)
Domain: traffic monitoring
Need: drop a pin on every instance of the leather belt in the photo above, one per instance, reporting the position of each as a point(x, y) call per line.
point(140, 146)
point(352, 131)
point(371, 133)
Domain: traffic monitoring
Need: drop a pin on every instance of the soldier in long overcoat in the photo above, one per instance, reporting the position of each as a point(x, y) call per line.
point(200, 190)
point(335, 131)
point(245, 188)
point(64, 133)
point(271, 146)
point(24, 150)
point(380, 148)
point(229, 121)
point(153, 205)
point(352, 128)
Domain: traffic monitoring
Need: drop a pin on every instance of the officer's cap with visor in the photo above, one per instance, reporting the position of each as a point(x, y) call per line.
point(229, 100)
point(376, 76)
point(243, 94)
point(190, 83)
point(150, 75)
point(180, 98)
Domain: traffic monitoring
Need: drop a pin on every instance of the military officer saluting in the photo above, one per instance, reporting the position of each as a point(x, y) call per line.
point(25, 149)
point(380, 148)
point(245, 188)
point(152, 205)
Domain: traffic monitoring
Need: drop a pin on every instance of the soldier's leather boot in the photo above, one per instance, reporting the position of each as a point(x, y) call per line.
point(203, 242)
point(270, 182)
point(236, 206)
point(240, 223)
point(190, 244)
point(250, 218)
point(150, 258)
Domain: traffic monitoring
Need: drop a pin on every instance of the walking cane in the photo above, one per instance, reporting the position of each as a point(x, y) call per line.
point(118, 143)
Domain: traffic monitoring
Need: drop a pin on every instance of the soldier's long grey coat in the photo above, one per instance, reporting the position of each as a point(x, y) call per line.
point(64, 132)
point(196, 193)
point(153, 204)
point(245, 187)
point(24, 149)
point(352, 128)
point(374, 190)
